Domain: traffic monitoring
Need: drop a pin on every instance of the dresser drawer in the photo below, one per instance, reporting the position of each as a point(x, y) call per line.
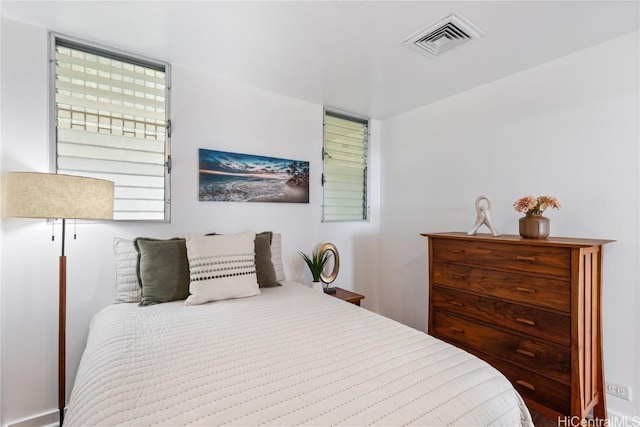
point(531, 385)
point(543, 291)
point(536, 355)
point(552, 261)
point(537, 323)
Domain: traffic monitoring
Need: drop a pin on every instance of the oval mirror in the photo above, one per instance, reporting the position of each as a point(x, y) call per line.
point(330, 250)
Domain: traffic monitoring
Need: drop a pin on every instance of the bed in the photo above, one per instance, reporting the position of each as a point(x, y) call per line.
point(288, 356)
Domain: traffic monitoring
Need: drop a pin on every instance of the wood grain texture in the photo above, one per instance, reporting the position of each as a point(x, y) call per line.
point(529, 307)
point(347, 296)
point(520, 350)
point(544, 324)
point(551, 292)
point(508, 256)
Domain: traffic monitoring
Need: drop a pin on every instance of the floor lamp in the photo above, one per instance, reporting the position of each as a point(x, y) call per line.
point(53, 196)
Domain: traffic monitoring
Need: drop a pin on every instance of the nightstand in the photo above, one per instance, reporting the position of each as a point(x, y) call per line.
point(347, 296)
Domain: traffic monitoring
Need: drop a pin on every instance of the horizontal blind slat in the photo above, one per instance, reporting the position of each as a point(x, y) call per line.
point(63, 57)
point(109, 166)
point(346, 203)
point(138, 205)
point(343, 123)
point(338, 130)
point(107, 153)
point(138, 216)
point(333, 148)
point(155, 116)
point(119, 97)
point(122, 180)
point(155, 89)
point(140, 193)
point(338, 161)
point(111, 141)
point(335, 186)
point(352, 139)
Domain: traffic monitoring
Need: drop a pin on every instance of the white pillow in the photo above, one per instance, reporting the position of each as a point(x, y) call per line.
point(127, 285)
point(276, 256)
point(221, 267)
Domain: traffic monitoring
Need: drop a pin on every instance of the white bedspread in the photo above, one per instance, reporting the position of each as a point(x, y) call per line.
point(288, 356)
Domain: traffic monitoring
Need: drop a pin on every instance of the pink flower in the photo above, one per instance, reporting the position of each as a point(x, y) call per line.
point(548, 202)
point(525, 204)
point(535, 206)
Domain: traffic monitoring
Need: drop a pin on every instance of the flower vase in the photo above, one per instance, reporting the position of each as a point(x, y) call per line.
point(534, 227)
point(317, 286)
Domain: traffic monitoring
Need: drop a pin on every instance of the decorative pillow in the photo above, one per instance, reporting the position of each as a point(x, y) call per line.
point(127, 283)
point(221, 267)
point(276, 256)
point(264, 267)
point(163, 270)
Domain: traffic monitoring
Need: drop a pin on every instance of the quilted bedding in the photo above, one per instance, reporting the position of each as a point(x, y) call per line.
point(289, 356)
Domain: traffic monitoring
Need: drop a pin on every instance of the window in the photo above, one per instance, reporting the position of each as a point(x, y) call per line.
point(344, 180)
point(111, 122)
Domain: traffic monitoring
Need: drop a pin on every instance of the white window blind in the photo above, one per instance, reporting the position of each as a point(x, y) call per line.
point(111, 116)
point(344, 179)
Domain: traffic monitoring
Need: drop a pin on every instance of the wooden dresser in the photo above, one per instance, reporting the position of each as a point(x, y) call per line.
point(530, 308)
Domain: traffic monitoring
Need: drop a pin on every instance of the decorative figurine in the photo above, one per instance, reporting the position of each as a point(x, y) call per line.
point(483, 216)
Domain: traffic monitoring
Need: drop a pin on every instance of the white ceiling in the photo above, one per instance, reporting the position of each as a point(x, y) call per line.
point(344, 54)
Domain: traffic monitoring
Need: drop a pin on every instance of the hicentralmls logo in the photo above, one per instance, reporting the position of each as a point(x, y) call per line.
point(600, 422)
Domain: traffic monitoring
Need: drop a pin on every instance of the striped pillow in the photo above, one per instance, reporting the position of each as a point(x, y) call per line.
point(221, 267)
point(127, 285)
point(276, 256)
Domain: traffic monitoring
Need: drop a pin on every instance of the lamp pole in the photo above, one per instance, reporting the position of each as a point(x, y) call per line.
point(62, 325)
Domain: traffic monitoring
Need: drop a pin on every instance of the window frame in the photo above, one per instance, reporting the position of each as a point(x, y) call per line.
point(366, 193)
point(124, 56)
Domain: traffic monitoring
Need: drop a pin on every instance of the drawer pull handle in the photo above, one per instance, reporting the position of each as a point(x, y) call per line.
point(526, 290)
point(457, 277)
point(525, 321)
point(525, 258)
point(454, 329)
point(457, 251)
point(526, 353)
point(526, 384)
point(457, 303)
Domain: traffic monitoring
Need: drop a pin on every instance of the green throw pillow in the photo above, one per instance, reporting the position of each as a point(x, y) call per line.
point(163, 270)
point(265, 271)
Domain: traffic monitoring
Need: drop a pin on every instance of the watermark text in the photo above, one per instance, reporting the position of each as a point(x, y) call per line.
point(599, 422)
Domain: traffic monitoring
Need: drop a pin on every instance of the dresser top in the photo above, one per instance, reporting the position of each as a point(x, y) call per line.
point(511, 238)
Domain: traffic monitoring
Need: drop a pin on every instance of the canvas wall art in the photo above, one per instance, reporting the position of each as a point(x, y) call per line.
point(235, 177)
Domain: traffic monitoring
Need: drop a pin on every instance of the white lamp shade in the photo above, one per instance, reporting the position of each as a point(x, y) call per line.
point(47, 195)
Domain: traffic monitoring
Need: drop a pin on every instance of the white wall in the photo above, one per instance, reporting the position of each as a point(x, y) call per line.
point(568, 128)
point(206, 113)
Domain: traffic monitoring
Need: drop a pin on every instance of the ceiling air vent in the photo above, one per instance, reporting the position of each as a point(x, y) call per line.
point(443, 34)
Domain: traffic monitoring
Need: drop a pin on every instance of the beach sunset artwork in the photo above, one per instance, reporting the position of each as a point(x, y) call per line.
point(235, 177)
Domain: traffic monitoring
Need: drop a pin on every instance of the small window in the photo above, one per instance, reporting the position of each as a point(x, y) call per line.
point(110, 119)
point(344, 179)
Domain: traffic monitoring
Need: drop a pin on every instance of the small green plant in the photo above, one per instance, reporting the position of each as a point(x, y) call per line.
point(316, 263)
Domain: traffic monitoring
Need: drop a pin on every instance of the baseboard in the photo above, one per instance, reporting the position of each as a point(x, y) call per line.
point(48, 419)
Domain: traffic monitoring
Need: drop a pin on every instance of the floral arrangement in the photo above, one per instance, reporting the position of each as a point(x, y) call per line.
point(535, 206)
